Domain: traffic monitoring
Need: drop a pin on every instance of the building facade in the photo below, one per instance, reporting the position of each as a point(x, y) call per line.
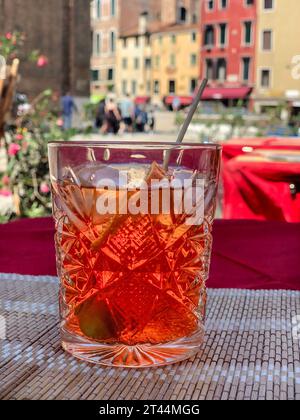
point(105, 20)
point(175, 61)
point(278, 54)
point(228, 49)
point(59, 29)
point(159, 55)
point(134, 61)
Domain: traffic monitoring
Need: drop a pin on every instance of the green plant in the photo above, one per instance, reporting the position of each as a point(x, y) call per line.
point(25, 175)
point(10, 44)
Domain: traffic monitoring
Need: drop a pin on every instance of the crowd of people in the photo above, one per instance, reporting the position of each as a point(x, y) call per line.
point(114, 117)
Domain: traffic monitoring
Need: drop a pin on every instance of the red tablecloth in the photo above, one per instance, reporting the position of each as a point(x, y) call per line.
point(237, 147)
point(246, 254)
point(261, 190)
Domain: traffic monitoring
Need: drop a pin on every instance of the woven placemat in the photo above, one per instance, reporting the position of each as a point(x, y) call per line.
point(250, 351)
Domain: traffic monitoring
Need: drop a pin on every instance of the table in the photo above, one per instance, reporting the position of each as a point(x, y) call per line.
point(237, 147)
point(257, 186)
point(249, 353)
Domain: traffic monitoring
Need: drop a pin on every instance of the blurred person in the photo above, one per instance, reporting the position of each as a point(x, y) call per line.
point(100, 114)
point(151, 119)
point(176, 104)
point(68, 107)
point(141, 119)
point(112, 118)
point(127, 113)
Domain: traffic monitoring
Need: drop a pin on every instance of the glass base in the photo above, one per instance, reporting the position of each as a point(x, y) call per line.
point(139, 356)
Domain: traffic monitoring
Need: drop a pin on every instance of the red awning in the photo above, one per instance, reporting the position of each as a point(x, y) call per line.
point(226, 93)
point(142, 100)
point(184, 100)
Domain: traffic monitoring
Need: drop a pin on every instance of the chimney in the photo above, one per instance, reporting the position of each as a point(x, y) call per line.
point(143, 23)
point(169, 12)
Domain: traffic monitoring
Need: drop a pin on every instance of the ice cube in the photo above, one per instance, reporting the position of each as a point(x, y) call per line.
point(97, 175)
point(136, 176)
point(183, 174)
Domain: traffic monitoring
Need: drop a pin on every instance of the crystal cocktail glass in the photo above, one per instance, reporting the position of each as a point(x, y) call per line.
point(133, 245)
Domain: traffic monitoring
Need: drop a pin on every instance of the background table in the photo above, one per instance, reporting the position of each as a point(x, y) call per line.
point(258, 188)
point(249, 353)
point(238, 147)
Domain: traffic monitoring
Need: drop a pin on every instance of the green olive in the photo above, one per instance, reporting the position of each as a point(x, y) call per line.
point(95, 319)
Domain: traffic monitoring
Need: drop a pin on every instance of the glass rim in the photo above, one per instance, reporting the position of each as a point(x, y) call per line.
point(135, 145)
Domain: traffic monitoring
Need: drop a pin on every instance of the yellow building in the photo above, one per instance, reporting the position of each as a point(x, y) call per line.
point(175, 60)
point(134, 62)
point(278, 54)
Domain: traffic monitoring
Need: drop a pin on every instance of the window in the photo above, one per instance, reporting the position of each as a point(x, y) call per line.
point(268, 4)
point(209, 36)
point(223, 34)
point(210, 4)
point(194, 36)
point(265, 78)
point(157, 61)
point(110, 74)
point(156, 87)
point(267, 38)
point(148, 63)
point(193, 59)
point(148, 87)
point(95, 75)
point(97, 44)
point(148, 39)
point(172, 87)
point(172, 60)
point(173, 39)
point(112, 42)
point(124, 63)
point(137, 41)
point(99, 9)
point(113, 7)
point(136, 63)
point(133, 87)
point(124, 42)
point(182, 14)
point(223, 4)
point(221, 70)
point(193, 85)
point(246, 61)
point(160, 39)
point(249, 3)
point(124, 87)
point(209, 69)
point(247, 33)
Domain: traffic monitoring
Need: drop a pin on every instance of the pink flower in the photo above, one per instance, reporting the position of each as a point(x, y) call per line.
point(5, 180)
point(60, 122)
point(42, 61)
point(5, 193)
point(8, 35)
point(14, 149)
point(19, 137)
point(44, 188)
